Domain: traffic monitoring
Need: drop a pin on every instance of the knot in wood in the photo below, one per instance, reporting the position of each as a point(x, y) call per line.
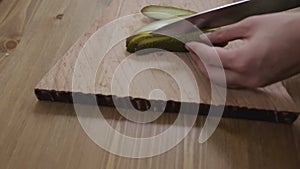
point(7, 45)
point(10, 44)
point(59, 16)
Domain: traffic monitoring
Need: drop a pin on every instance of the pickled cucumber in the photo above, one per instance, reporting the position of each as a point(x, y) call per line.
point(165, 12)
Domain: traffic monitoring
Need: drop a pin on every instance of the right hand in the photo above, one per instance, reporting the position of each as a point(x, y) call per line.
point(270, 53)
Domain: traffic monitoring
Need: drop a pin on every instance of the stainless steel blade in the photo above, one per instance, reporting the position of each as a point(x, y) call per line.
point(227, 14)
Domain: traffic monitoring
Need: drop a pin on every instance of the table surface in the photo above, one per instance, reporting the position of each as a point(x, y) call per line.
point(45, 135)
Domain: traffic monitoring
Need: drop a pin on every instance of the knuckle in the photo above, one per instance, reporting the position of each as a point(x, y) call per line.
point(220, 34)
point(235, 82)
point(249, 21)
point(254, 81)
point(240, 65)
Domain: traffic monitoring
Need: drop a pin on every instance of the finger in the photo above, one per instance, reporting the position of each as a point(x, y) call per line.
point(199, 64)
point(224, 77)
point(217, 75)
point(212, 55)
point(226, 34)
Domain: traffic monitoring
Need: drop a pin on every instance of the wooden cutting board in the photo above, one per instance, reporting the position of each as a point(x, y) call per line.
point(272, 103)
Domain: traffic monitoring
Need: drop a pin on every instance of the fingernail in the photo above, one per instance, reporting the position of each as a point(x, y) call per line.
point(189, 48)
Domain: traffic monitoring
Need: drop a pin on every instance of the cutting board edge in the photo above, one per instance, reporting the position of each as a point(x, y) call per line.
point(230, 111)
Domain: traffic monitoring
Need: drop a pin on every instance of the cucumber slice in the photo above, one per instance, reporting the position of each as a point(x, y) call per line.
point(133, 41)
point(163, 42)
point(165, 12)
point(146, 40)
point(143, 39)
point(157, 24)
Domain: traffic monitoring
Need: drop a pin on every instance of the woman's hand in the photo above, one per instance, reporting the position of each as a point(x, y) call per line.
point(270, 53)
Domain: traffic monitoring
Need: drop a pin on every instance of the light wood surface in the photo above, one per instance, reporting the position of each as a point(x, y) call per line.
point(47, 135)
point(92, 60)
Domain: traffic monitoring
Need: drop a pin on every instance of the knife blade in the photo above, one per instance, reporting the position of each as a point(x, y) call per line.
point(225, 15)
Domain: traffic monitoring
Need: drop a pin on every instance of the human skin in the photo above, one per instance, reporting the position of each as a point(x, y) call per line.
point(270, 52)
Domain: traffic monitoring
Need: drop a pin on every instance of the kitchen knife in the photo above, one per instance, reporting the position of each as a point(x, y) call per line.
point(227, 14)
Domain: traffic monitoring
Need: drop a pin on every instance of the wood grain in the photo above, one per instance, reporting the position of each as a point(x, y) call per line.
point(37, 135)
point(272, 103)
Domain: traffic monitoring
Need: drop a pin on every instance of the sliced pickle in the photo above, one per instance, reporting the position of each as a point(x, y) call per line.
point(165, 12)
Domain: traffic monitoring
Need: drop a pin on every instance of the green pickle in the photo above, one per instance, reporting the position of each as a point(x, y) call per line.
point(147, 40)
point(165, 12)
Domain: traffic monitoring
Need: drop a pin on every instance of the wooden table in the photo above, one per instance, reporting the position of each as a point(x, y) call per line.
point(48, 135)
